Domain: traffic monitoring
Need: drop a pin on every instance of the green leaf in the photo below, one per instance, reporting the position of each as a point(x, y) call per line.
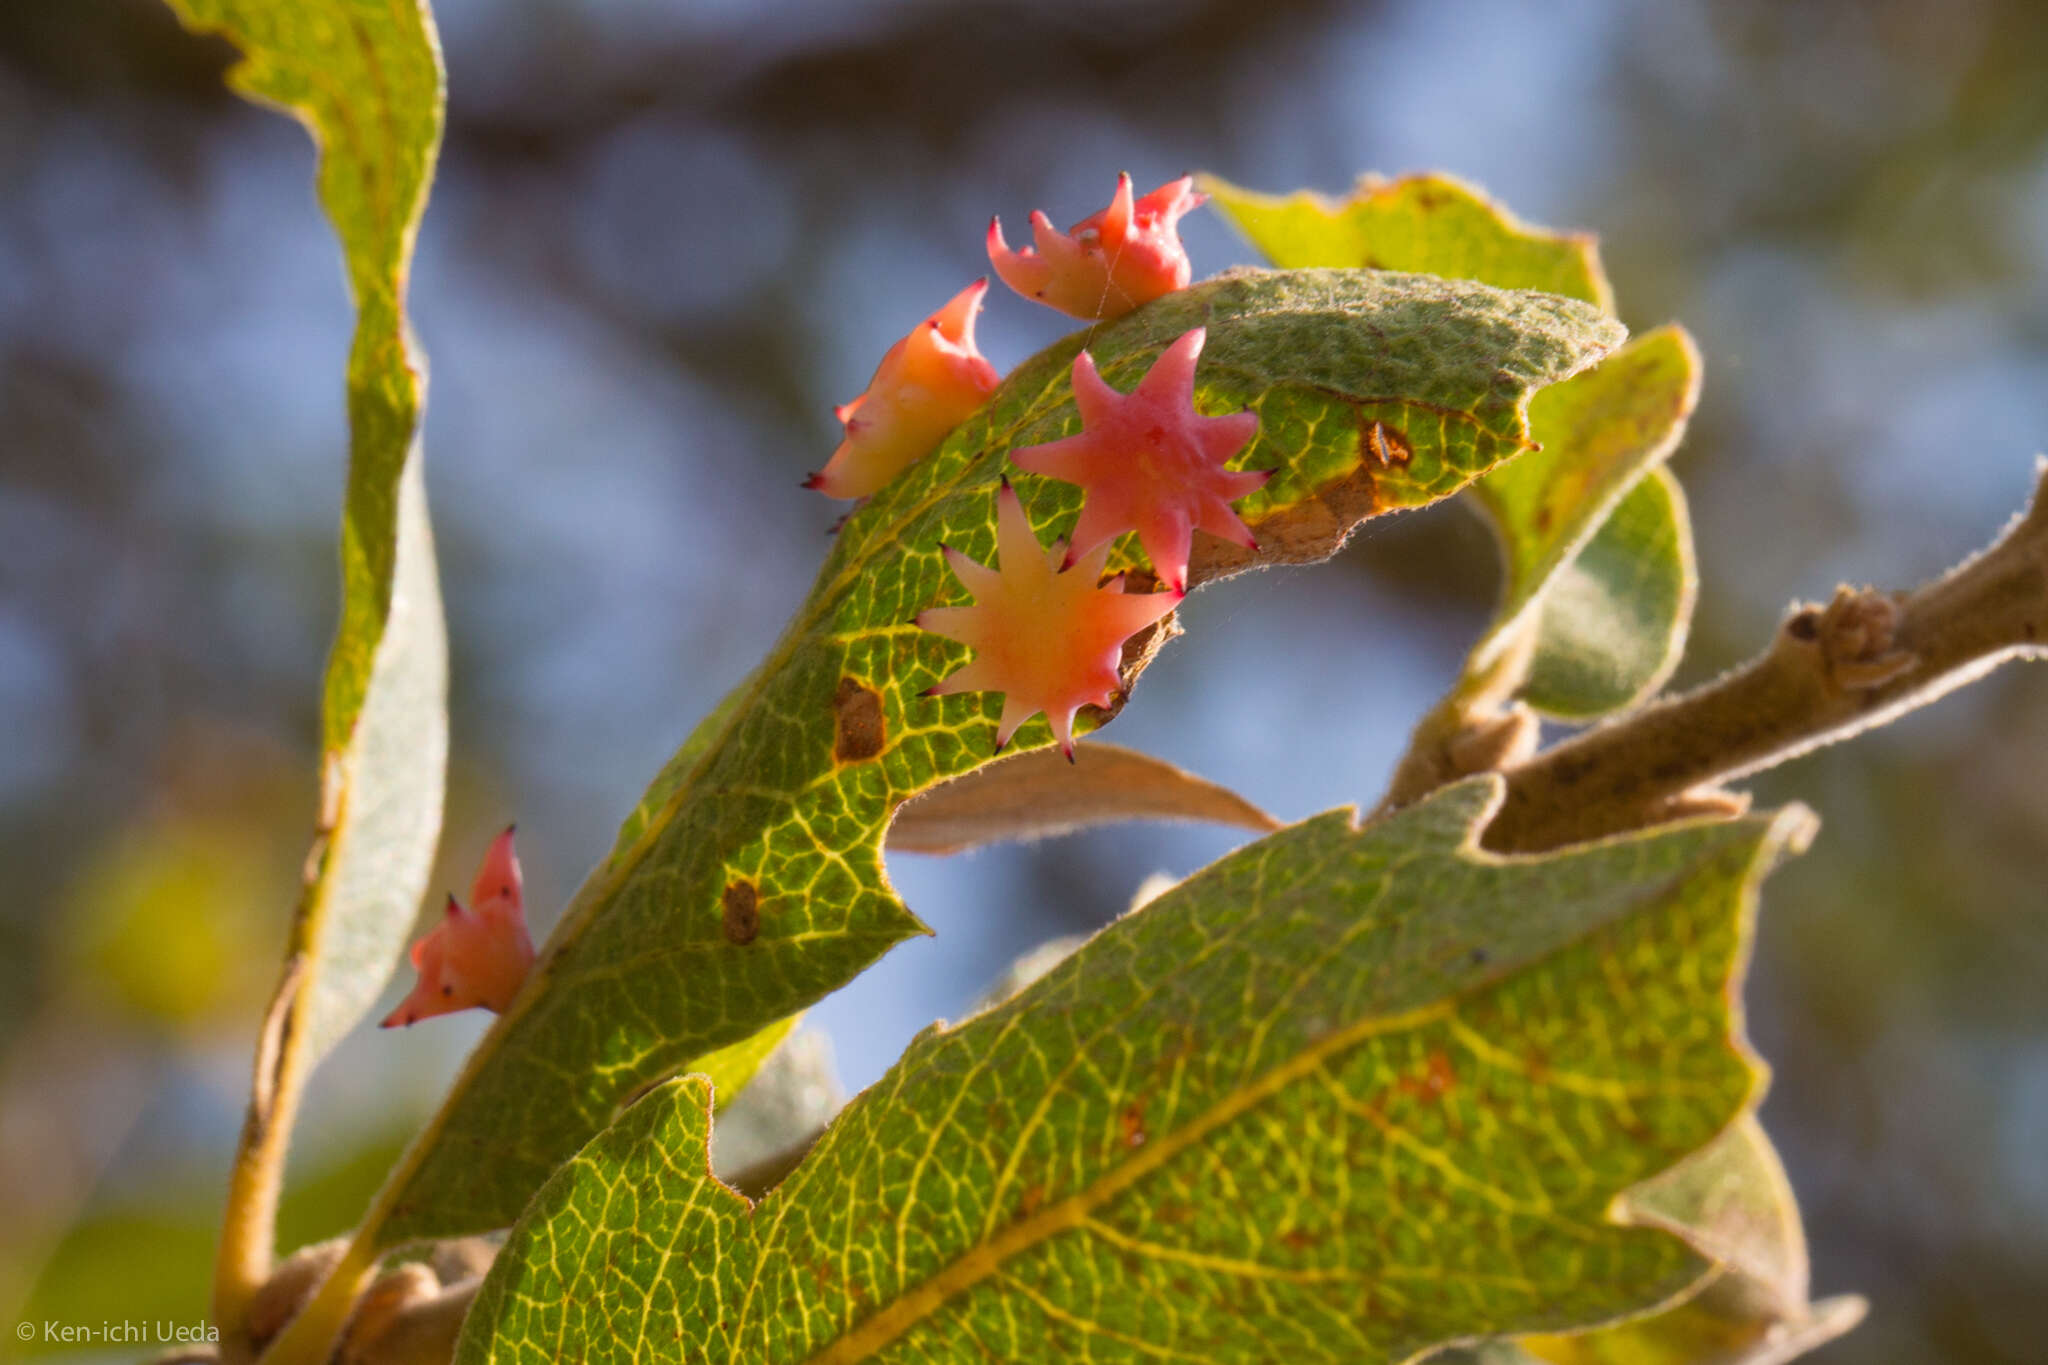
point(1613, 620)
point(751, 882)
point(1345, 1095)
point(731, 1067)
point(1601, 431)
point(1718, 1326)
point(1599, 564)
point(365, 80)
point(1731, 1201)
point(1433, 224)
point(1608, 632)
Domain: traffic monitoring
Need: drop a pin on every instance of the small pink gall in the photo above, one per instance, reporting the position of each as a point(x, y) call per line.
point(477, 956)
point(1148, 462)
point(927, 384)
point(1111, 261)
point(1047, 640)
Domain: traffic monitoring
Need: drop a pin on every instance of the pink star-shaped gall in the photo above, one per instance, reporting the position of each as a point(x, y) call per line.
point(477, 955)
point(928, 383)
point(1048, 639)
point(1148, 462)
point(1108, 263)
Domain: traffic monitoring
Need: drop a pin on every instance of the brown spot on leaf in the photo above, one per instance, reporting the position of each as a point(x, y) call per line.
point(1034, 1196)
point(1296, 1239)
point(1302, 533)
point(1383, 445)
point(1430, 1086)
point(742, 912)
point(1315, 526)
point(858, 731)
point(1132, 1121)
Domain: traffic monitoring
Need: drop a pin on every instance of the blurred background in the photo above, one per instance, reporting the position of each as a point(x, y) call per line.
point(668, 236)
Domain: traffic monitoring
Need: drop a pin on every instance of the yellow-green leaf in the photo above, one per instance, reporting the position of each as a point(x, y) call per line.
point(364, 77)
point(1732, 1202)
point(1434, 224)
point(1613, 619)
point(1345, 1095)
point(1608, 631)
point(750, 881)
point(1616, 627)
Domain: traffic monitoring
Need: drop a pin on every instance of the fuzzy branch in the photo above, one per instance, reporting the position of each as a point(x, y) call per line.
point(1829, 672)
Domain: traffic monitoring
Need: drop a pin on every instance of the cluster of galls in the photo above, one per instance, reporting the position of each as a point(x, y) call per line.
point(1045, 633)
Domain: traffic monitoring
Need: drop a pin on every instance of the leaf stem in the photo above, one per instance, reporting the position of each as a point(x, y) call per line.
point(1477, 727)
point(247, 1238)
point(1828, 673)
point(311, 1338)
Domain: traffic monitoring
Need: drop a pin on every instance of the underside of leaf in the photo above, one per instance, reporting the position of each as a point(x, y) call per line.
point(1040, 794)
point(1614, 620)
point(366, 82)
